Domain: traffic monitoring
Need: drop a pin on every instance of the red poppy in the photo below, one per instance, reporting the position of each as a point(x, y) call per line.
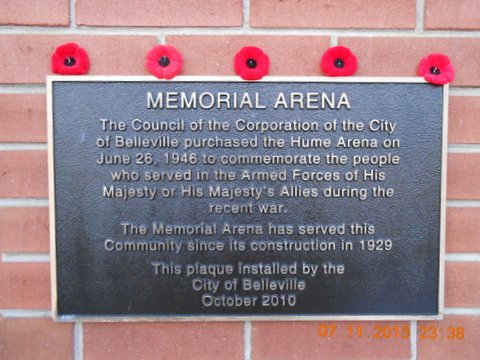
point(338, 61)
point(164, 61)
point(70, 59)
point(436, 69)
point(251, 63)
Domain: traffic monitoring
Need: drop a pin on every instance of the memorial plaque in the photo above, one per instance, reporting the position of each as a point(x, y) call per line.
point(214, 198)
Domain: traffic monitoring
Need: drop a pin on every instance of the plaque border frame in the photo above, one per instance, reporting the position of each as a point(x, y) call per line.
point(187, 318)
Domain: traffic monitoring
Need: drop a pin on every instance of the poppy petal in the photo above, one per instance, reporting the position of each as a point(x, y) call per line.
point(67, 49)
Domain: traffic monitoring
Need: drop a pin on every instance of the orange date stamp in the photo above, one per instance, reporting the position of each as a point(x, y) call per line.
point(401, 332)
point(432, 332)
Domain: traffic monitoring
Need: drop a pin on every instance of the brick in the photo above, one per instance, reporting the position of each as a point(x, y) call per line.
point(461, 284)
point(375, 14)
point(23, 174)
point(452, 14)
point(400, 56)
point(464, 120)
point(159, 13)
point(24, 229)
point(300, 340)
point(25, 285)
point(442, 348)
point(463, 172)
point(213, 55)
point(199, 341)
point(39, 339)
point(463, 230)
point(28, 57)
point(23, 118)
point(27, 12)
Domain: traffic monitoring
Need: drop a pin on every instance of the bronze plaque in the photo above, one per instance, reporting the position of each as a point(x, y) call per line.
point(200, 198)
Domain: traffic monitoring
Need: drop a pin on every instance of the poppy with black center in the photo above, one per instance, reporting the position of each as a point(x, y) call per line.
point(338, 61)
point(70, 59)
point(436, 69)
point(164, 61)
point(251, 63)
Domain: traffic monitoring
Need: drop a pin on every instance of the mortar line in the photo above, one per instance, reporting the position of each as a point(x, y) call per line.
point(462, 257)
point(246, 14)
point(413, 339)
point(333, 40)
point(78, 341)
point(22, 89)
point(43, 202)
point(23, 202)
point(22, 146)
point(40, 88)
point(22, 313)
point(247, 340)
point(73, 23)
point(19, 146)
point(420, 16)
point(233, 30)
point(45, 257)
point(464, 148)
point(461, 311)
point(25, 257)
point(463, 203)
point(464, 91)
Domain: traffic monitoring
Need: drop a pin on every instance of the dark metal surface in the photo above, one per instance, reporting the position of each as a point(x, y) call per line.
point(94, 282)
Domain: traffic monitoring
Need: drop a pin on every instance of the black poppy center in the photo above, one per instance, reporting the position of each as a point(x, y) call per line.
point(339, 63)
point(252, 63)
point(435, 71)
point(164, 61)
point(69, 61)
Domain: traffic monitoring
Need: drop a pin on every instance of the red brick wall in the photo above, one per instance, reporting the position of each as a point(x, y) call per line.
point(389, 37)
